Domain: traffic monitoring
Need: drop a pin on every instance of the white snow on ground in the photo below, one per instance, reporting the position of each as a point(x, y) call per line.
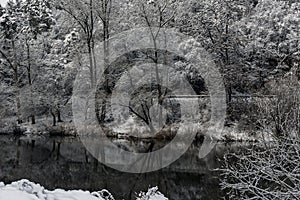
point(26, 190)
point(152, 194)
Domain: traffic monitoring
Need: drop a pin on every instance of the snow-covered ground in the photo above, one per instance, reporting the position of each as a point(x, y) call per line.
point(26, 190)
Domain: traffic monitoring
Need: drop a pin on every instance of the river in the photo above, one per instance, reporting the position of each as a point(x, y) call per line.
point(63, 162)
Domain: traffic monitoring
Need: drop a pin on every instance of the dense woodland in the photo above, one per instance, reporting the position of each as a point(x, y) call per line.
point(255, 45)
point(252, 42)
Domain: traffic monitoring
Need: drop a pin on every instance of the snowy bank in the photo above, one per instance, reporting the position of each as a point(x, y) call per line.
point(26, 190)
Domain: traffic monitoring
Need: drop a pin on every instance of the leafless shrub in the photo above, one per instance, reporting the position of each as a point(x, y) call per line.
point(269, 170)
point(281, 113)
point(263, 172)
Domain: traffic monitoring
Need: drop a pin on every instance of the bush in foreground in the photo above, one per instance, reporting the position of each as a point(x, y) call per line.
point(269, 171)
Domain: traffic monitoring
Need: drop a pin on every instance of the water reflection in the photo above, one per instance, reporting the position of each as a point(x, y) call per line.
point(64, 163)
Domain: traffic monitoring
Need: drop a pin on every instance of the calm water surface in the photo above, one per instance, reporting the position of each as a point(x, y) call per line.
point(58, 162)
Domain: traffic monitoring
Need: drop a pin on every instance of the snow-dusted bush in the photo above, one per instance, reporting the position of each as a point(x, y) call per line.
point(152, 194)
point(281, 114)
point(270, 171)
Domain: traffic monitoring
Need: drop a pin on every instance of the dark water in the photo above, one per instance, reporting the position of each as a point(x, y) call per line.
point(64, 163)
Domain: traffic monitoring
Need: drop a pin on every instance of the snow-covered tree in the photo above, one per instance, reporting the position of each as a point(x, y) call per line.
point(21, 23)
point(213, 24)
point(273, 32)
point(155, 15)
point(10, 54)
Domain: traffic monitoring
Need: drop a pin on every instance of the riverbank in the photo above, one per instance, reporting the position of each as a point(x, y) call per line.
point(41, 127)
point(65, 129)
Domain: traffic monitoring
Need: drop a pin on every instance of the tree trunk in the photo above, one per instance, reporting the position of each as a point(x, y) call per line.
point(28, 62)
point(106, 65)
point(32, 119)
point(159, 82)
point(16, 80)
point(29, 79)
point(59, 116)
point(92, 44)
point(53, 118)
point(94, 61)
point(86, 156)
point(91, 63)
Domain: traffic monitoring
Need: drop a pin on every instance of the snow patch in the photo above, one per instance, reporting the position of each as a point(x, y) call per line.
point(26, 190)
point(152, 194)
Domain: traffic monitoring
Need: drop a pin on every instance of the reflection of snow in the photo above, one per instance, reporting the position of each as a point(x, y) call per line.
point(26, 190)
